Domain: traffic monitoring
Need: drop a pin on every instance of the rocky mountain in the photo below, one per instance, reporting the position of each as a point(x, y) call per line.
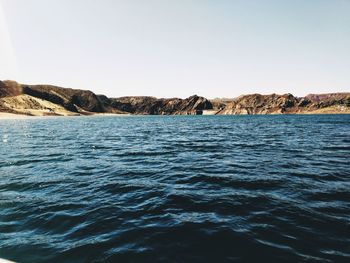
point(53, 100)
point(288, 104)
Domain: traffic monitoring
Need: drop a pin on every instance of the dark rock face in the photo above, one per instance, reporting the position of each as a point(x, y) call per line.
point(303, 102)
point(260, 104)
point(3, 90)
point(9, 88)
point(70, 99)
point(135, 105)
point(153, 106)
point(329, 99)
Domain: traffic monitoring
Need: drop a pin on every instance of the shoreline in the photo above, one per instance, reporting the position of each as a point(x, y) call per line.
point(13, 116)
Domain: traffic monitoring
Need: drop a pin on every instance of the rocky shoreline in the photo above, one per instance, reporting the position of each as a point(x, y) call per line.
point(47, 100)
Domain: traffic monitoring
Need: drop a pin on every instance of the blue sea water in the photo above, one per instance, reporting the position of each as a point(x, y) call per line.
point(175, 189)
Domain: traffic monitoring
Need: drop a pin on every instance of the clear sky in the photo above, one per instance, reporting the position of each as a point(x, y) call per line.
point(177, 48)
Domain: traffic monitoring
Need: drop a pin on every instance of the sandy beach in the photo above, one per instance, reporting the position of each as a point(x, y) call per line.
point(11, 116)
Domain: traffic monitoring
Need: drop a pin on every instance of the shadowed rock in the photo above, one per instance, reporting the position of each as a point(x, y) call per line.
point(70, 99)
point(10, 88)
point(153, 106)
point(329, 99)
point(260, 104)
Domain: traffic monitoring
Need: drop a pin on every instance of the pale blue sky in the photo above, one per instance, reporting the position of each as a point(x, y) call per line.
point(167, 48)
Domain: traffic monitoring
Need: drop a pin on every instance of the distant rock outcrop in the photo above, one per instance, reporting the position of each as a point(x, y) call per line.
point(149, 105)
point(288, 104)
point(329, 99)
point(260, 104)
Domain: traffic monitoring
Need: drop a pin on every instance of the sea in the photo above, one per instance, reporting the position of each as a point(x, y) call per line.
point(272, 188)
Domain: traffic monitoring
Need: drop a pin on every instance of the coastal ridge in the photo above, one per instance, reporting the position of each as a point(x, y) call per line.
point(48, 100)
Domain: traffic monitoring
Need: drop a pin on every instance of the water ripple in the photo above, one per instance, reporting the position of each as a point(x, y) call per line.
point(175, 189)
